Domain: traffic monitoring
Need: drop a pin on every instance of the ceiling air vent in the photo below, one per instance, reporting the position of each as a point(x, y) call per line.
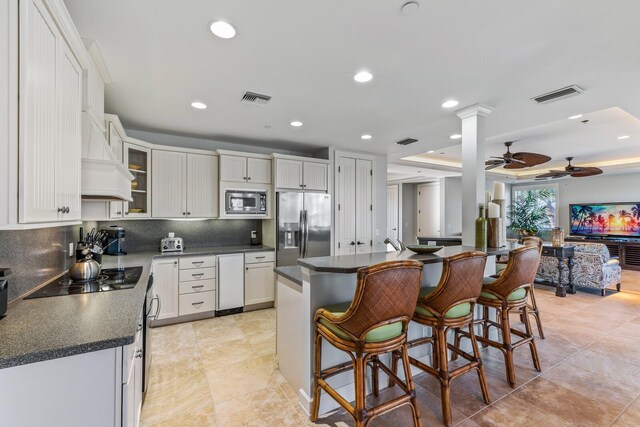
point(255, 98)
point(407, 141)
point(556, 95)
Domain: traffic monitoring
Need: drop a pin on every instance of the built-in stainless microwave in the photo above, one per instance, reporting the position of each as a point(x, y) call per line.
point(245, 202)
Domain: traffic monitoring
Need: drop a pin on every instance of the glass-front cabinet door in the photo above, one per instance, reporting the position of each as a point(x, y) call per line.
point(138, 160)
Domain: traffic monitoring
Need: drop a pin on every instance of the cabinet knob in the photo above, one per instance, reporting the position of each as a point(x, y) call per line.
point(188, 213)
point(184, 213)
point(126, 213)
point(61, 209)
point(360, 243)
point(248, 178)
point(352, 243)
point(119, 213)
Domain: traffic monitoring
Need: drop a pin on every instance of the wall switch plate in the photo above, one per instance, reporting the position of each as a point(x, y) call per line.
point(71, 249)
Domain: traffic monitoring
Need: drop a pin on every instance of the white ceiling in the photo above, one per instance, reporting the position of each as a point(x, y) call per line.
point(304, 54)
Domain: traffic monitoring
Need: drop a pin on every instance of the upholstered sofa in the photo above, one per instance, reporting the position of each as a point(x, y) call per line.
point(593, 268)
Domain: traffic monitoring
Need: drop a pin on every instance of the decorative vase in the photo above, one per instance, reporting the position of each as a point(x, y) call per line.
point(481, 229)
point(557, 238)
point(494, 232)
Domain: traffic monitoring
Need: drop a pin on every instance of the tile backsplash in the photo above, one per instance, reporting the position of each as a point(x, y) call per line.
point(35, 256)
point(145, 235)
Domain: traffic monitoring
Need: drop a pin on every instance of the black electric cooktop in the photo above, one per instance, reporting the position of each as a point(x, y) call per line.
point(110, 279)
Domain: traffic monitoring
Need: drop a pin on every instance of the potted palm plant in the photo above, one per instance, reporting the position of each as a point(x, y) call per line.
point(530, 212)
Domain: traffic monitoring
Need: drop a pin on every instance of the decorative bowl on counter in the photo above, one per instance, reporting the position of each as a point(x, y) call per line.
point(424, 249)
point(136, 210)
point(134, 184)
point(135, 167)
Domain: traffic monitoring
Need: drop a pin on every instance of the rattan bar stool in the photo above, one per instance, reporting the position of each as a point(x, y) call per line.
point(507, 293)
point(532, 305)
point(374, 323)
point(450, 306)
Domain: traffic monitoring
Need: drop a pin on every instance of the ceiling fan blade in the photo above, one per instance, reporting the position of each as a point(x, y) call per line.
point(586, 171)
point(552, 174)
point(532, 159)
point(497, 157)
point(492, 166)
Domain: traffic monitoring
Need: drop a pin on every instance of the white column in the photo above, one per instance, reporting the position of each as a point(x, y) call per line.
point(473, 181)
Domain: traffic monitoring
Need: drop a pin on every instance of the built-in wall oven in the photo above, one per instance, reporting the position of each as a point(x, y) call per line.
point(245, 202)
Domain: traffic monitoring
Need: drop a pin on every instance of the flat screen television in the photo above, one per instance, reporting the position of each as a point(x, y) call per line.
point(605, 219)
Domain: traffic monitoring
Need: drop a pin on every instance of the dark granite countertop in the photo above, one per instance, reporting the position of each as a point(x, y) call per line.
point(41, 329)
point(291, 272)
point(351, 263)
point(217, 250)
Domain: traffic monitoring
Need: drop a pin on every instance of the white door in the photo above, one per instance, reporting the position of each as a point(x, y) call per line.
point(259, 283)
point(315, 176)
point(169, 181)
point(69, 109)
point(429, 210)
point(393, 205)
point(230, 281)
point(165, 286)
point(364, 205)
point(345, 236)
point(289, 174)
point(258, 171)
point(38, 125)
point(233, 168)
point(202, 186)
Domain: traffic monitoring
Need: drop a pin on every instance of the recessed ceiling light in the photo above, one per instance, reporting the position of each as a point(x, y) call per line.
point(624, 137)
point(223, 29)
point(363, 77)
point(199, 105)
point(577, 116)
point(366, 136)
point(430, 151)
point(450, 103)
point(455, 136)
point(296, 124)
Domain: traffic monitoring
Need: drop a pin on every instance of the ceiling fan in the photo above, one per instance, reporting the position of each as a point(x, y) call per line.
point(515, 160)
point(570, 170)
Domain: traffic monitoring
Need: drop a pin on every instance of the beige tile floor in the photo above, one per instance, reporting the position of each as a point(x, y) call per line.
point(222, 372)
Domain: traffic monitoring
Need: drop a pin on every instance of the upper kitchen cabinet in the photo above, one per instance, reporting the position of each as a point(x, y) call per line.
point(115, 138)
point(137, 157)
point(50, 107)
point(185, 184)
point(299, 173)
point(243, 167)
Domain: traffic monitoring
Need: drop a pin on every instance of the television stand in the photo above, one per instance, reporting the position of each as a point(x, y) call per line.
point(627, 250)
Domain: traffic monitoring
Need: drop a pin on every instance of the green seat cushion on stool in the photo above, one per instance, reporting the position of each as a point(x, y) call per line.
point(500, 267)
point(382, 333)
point(459, 310)
point(515, 295)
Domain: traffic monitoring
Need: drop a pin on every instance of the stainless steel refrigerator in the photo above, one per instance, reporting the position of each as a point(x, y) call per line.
point(304, 226)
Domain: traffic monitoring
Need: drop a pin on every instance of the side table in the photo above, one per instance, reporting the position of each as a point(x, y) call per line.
point(562, 253)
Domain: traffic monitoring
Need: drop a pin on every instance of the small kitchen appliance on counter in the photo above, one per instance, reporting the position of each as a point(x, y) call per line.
point(171, 244)
point(4, 289)
point(115, 240)
point(110, 279)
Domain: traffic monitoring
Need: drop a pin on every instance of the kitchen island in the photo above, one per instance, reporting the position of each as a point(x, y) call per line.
point(323, 281)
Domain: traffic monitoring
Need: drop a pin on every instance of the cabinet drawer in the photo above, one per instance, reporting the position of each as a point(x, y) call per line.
point(197, 262)
point(199, 286)
point(197, 303)
point(197, 274)
point(253, 257)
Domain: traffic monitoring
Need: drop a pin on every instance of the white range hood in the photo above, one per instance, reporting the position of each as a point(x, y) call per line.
point(104, 178)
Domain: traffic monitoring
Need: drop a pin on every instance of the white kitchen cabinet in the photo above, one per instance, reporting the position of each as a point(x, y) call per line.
point(248, 169)
point(301, 175)
point(138, 159)
point(315, 176)
point(169, 181)
point(259, 283)
point(165, 286)
point(185, 185)
point(50, 120)
point(258, 170)
point(202, 186)
point(354, 210)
